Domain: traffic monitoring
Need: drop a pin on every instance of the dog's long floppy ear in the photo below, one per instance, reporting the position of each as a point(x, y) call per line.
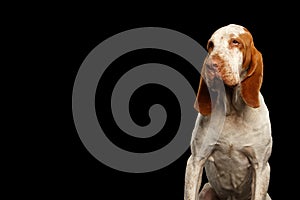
point(251, 85)
point(203, 101)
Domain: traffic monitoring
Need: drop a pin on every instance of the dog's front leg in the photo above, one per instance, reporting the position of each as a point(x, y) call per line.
point(193, 177)
point(260, 183)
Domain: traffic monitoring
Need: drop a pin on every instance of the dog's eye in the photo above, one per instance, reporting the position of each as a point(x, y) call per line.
point(235, 42)
point(210, 45)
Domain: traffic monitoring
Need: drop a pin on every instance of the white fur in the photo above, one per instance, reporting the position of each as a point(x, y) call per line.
point(232, 57)
point(236, 164)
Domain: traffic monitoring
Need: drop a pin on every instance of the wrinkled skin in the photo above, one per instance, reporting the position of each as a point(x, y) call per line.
point(235, 158)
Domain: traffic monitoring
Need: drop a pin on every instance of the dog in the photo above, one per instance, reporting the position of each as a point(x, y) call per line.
point(235, 151)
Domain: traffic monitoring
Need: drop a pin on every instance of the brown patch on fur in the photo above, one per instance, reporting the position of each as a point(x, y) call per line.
point(203, 102)
point(253, 62)
point(250, 85)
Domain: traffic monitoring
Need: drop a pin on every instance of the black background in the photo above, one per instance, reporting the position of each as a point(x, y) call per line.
point(62, 167)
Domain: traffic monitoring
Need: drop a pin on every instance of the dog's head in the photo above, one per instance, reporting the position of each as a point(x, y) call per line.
point(232, 58)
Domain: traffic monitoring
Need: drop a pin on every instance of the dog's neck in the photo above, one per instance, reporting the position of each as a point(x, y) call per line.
point(233, 100)
point(228, 100)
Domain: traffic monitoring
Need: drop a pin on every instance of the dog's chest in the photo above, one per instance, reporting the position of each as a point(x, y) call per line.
point(228, 166)
point(238, 133)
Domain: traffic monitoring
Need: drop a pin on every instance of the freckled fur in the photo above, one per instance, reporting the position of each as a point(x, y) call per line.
point(237, 166)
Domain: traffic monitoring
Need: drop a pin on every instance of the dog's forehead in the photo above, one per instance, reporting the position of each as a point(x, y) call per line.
point(229, 31)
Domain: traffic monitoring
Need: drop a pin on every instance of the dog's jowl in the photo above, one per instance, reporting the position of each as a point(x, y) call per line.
point(235, 157)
